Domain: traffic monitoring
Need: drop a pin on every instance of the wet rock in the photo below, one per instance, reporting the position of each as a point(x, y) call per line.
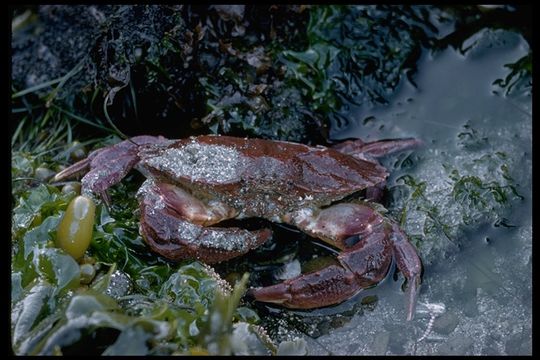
point(470, 306)
point(516, 344)
point(489, 350)
point(492, 345)
point(380, 343)
point(446, 323)
point(458, 345)
point(395, 332)
point(351, 349)
point(526, 347)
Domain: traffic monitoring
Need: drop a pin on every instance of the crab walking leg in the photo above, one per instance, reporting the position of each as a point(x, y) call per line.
point(368, 243)
point(177, 238)
point(108, 166)
point(375, 149)
point(77, 168)
point(371, 152)
point(409, 264)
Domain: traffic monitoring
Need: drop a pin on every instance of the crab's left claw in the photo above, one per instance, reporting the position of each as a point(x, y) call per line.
point(329, 286)
point(368, 241)
point(362, 266)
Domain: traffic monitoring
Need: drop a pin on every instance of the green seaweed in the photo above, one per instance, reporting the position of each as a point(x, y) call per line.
point(520, 75)
point(173, 308)
point(473, 190)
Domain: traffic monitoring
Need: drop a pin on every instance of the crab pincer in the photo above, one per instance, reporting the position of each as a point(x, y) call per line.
point(368, 244)
point(171, 223)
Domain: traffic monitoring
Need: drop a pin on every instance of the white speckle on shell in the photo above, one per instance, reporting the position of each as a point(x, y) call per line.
point(227, 241)
point(188, 231)
point(218, 239)
point(305, 217)
point(88, 182)
point(147, 190)
point(200, 162)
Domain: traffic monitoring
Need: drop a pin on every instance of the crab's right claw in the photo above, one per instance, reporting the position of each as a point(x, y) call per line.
point(169, 231)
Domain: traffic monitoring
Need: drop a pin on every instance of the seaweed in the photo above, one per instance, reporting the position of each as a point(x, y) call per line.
point(277, 72)
point(520, 76)
point(473, 187)
point(53, 312)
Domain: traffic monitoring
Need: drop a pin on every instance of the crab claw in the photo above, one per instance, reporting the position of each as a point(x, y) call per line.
point(277, 294)
point(329, 286)
point(368, 242)
point(167, 228)
point(74, 169)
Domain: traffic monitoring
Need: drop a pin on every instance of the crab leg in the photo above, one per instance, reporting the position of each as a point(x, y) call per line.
point(375, 149)
point(76, 168)
point(409, 264)
point(167, 227)
point(371, 152)
point(368, 243)
point(108, 166)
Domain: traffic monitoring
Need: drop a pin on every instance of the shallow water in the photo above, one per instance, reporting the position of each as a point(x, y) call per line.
point(476, 290)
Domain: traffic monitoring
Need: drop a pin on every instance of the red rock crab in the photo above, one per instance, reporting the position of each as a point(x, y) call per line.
point(195, 183)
